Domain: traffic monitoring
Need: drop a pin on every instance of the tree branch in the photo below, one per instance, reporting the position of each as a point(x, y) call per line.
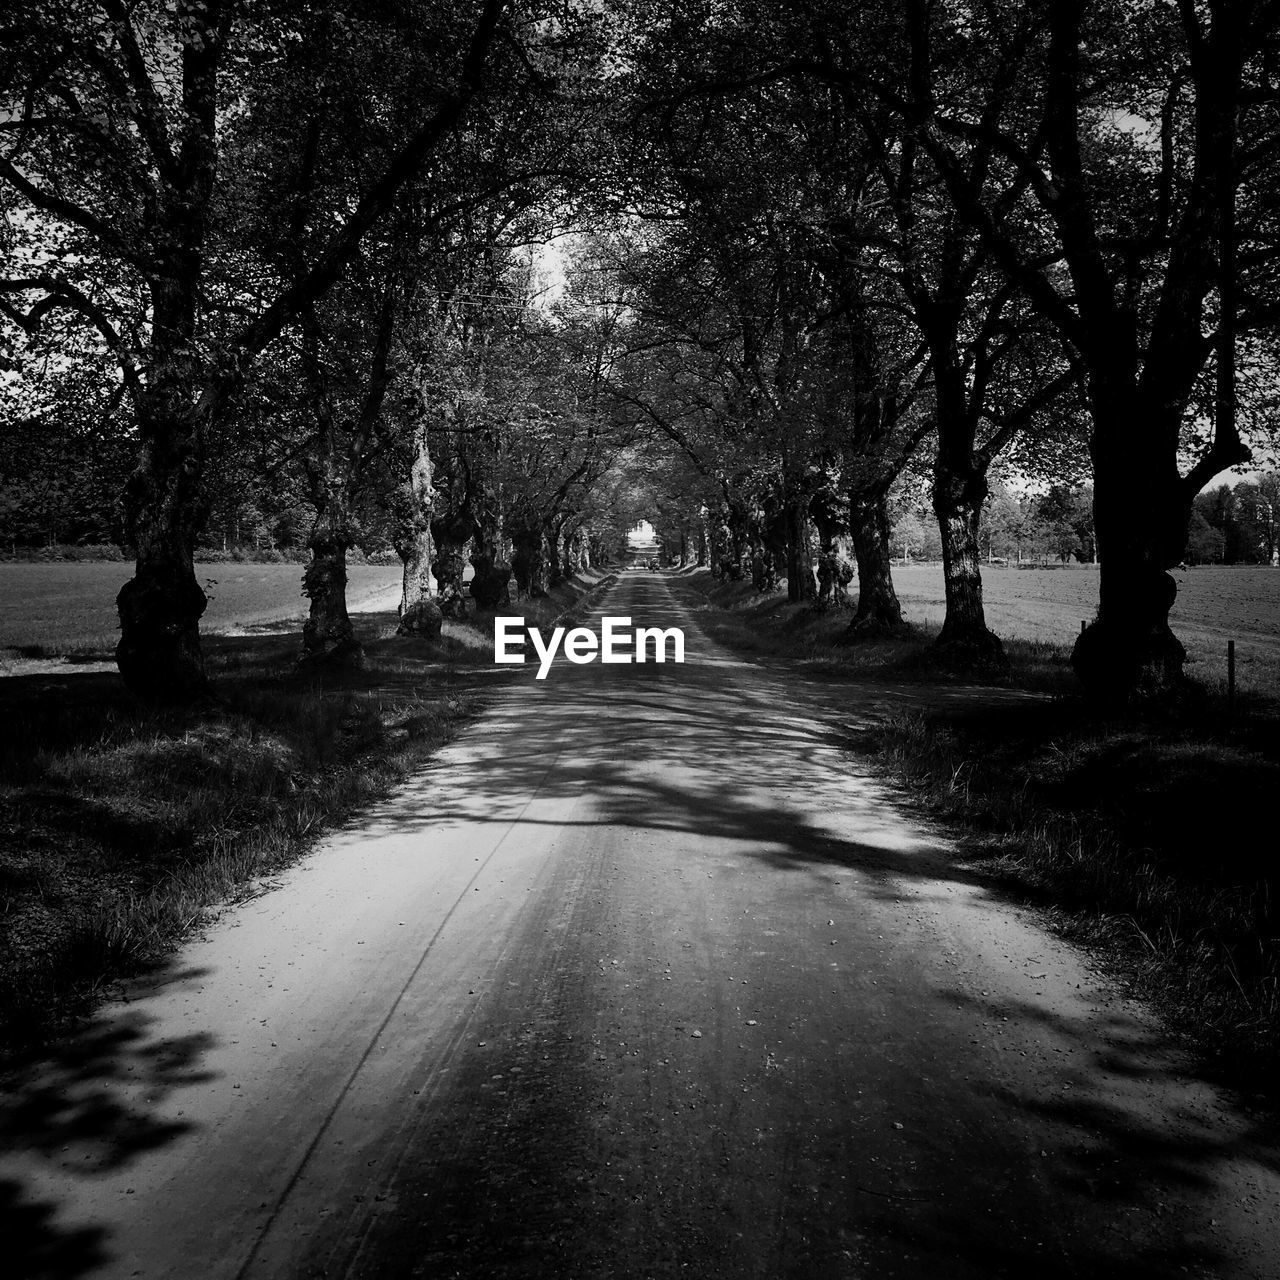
point(61, 293)
point(71, 212)
point(372, 205)
point(149, 110)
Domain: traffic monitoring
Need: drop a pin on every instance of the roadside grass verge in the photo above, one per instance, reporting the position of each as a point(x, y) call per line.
point(1149, 839)
point(122, 825)
point(576, 614)
point(767, 626)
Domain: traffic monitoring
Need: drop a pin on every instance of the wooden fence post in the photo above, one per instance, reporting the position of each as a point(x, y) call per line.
point(1231, 677)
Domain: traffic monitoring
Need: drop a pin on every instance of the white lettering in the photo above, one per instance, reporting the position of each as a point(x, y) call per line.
point(545, 652)
point(615, 644)
point(609, 637)
point(660, 638)
point(503, 636)
point(580, 645)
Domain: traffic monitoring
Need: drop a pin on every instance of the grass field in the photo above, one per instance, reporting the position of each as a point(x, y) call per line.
point(1215, 604)
point(65, 607)
point(72, 606)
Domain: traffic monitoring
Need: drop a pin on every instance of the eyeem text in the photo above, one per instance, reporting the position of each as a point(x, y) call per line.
point(616, 643)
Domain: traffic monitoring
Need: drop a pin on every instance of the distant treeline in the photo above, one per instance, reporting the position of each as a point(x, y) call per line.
point(1054, 525)
point(52, 517)
point(1236, 524)
point(60, 500)
point(1232, 524)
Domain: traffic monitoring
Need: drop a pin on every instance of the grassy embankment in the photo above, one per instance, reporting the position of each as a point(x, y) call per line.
point(124, 826)
point(1148, 838)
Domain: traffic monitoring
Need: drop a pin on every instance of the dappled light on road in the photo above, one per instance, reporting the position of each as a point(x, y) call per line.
point(644, 975)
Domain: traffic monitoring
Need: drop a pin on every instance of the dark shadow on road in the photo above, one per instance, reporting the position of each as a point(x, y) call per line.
point(90, 1105)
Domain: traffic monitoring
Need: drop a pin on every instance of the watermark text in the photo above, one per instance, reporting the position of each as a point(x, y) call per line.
point(617, 643)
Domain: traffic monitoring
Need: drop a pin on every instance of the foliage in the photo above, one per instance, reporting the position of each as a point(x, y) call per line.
point(1237, 524)
point(267, 265)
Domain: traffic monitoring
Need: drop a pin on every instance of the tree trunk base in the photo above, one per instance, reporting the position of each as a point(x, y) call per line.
point(1120, 668)
point(971, 652)
point(339, 655)
point(875, 625)
point(422, 619)
point(159, 649)
point(452, 603)
point(328, 639)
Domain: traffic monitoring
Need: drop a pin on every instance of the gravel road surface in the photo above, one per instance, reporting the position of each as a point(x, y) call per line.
point(644, 976)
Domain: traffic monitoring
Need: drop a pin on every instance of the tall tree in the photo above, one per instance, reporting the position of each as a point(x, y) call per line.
point(1129, 151)
point(115, 133)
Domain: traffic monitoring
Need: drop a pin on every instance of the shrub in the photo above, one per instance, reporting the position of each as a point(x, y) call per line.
point(88, 551)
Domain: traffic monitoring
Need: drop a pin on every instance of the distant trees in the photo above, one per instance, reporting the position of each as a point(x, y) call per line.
point(62, 469)
point(1051, 525)
point(1230, 524)
point(1237, 524)
point(1054, 525)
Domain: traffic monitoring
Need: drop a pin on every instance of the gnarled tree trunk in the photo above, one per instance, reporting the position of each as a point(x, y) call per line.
point(801, 586)
point(451, 533)
point(966, 644)
point(738, 555)
point(763, 577)
point(878, 608)
point(554, 540)
point(420, 615)
point(529, 560)
point(831, 581)
point(1129, 651)
point(573, 552)
point(491, 581)
point(327, 635)
point(160, 607)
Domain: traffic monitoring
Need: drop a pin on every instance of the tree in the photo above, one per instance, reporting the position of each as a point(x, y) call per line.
point(1144, 291)
point(1205, 544)
point(809, 387)
point(1268, 509)
point(1243, 518)
point(118, 140)
point(1066, 511)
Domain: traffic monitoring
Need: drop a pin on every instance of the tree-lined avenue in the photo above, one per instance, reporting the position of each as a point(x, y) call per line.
point(644, 976)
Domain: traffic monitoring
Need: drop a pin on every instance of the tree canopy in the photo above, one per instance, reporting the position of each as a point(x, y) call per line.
point(491, 280)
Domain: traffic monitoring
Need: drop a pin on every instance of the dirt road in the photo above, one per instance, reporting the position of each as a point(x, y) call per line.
point(645, 977)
